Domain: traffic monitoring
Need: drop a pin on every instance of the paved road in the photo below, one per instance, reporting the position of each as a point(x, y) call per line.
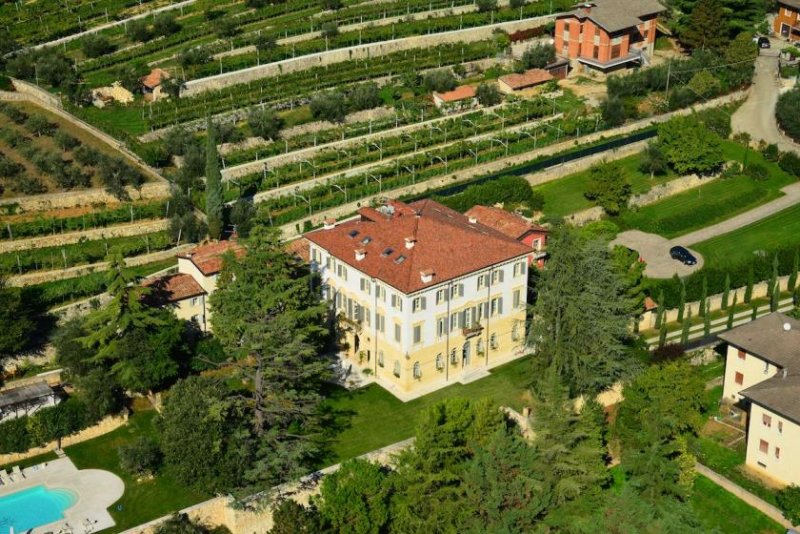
point(756, 502)
point(654, 249)
point(757, 115)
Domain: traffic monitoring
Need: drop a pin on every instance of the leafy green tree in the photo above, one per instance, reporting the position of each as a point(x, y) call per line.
point(653, 160)
point(704, 30)
point(242, 217)
point(99, 392)
point(581, 317)
point(538, 56)
point(609, 187)
point(201, 418)
point(614, 111)
point(439, 80)
point(17, 316)
point(356, 498)
point(704, 84)
point(289, 517)
point(138, 30)
point(329, 106)
point(265, 123)
point(662, 407)
point(740, 55)
point(364, 96)
point(516, 4)
point(166, 24)
point(786, 113)
point(486, 5)
point(488, 95)
point(268, 315)
point(214, 199)
point(689, 146)
point(789, 502)
point(332, 5)
point(140, 457)
point(226, 27)
point(96, 45)
point(265, 43)
point(329, 29)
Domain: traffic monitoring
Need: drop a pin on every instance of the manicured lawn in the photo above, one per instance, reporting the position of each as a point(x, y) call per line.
point(370, 417)
point(776, 231)
point(718, 509)
point(710, 203)
point(143, 501)
point(566, 195)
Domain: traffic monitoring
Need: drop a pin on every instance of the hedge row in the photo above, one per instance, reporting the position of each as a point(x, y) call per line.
point(46, 425)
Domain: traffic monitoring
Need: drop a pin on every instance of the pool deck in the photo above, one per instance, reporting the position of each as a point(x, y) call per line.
point(96, 489)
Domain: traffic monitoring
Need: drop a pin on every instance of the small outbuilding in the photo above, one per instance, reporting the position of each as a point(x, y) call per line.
point(26, 400)
point(152, 84)
point(511, 83)
point(461, 97)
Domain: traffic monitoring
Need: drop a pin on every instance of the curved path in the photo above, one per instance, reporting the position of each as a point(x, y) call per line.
point(654, 249)
point(757, 115)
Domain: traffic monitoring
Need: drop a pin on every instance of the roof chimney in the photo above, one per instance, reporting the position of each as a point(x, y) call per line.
point(360, 254)
point(473, 219)
point(426, 276)
point(410, 241)
point(330, 224)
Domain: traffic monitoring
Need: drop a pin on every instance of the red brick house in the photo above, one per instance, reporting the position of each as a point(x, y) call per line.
point(608, 34)
point(787, 21)
point(516, 227)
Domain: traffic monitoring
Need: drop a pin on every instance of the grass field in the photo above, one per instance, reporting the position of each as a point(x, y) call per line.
point(719, 509)
point(779, 230)
point(371, 417)
point(710, 203)
point(143, 500)
point(566, 195)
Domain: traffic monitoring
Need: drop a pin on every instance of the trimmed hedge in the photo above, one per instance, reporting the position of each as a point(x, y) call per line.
point(48, 424)
point(506, 189)
point(787, 115)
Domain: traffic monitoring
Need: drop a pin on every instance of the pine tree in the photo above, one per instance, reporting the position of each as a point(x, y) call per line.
point(732, 311)
point(687, 324)
point(704, 298)
point(748, 291)
point(792, 282)
point(682, 305)
point(726, 293)
point(214, 201)
point(705, 30)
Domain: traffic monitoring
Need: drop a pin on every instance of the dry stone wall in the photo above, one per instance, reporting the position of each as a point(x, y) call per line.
point(88, 197)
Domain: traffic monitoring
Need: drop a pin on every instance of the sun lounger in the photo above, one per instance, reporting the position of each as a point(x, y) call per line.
point(16, 471)
point(4, 476)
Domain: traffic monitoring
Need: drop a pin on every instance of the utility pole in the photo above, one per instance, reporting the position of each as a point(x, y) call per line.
point(669, 73)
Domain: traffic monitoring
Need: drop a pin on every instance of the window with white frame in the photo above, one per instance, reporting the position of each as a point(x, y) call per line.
point(417, 331)
point(483, 281)
point(517, 299)
point(380, 358)
point(397, 333)
point(418, 304)
point(453, 357)
point(496, 306)
point(441, 296)
point(519, 268)
point(366, 286)
point(439, 362)
point(493, 341)
point(441, 326)
point(397, 302)
point(456, 290)
point(497, 277)
point(479, 346)
point(396, 371)
point(380, 292)
point(515, 331)
point(417, 370)
point(380, 323)
point(453, 321)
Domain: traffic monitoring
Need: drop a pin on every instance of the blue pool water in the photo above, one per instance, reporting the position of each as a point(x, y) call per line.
point(34, 507)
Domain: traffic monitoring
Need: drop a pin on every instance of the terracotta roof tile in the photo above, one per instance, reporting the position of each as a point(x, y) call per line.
point(208, 258)
point(529, 78)
point(442, 240)
point(155, 78)
point(462, 92)
point(299, 248)
point(172, 288)
point(504, 222)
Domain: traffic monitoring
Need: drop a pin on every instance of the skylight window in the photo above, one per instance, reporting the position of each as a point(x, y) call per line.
point(400, 259)
point(387, 251)
point(353, 233)
point(366, 241)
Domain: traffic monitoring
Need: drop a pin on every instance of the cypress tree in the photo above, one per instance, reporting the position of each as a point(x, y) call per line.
point(748, 292)
point(662, 334)
point(213, 184)
point(707, 322)
point(687, 324)
point(792, 283)
point(732, 312)
point(660, 311)
point(773, 279)
point(754, 314)
point(775, 297)
point(726, 293)
point(682, 305)
point(704, 298)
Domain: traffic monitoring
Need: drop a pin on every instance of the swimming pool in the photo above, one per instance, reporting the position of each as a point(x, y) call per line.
point(34, 507)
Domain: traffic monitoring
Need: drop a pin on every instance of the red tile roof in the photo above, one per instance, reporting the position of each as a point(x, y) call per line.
point(649, 304)
point(459, 93)
point(299, 249)
point(529, 78)
point(208, 258)
point(504, 222)
point(154, 79)
point(172, 288)
point(444, 242)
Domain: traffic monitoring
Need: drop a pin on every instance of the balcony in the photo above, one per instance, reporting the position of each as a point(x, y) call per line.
point(472, 331)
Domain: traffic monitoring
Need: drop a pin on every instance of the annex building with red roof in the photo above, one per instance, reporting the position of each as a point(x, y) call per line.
point(425, 296)
point(462, 97)
point(515, 226)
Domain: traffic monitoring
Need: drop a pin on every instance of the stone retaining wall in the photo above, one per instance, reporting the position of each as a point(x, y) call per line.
point(69, 238)
point(109, 424)
point(330, 57)
point(87, 197)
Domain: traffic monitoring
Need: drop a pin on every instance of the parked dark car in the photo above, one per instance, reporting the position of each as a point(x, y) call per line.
point(763, 42)
point(682, 255)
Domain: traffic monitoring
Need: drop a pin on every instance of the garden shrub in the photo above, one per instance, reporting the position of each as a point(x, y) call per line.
point(667, 353)
point(48, 424)
point(757, 171)
point(14, 436)
point(140, 457)
point(790, 162)
point(771, 152)
point(788, 500)
point(786, 113)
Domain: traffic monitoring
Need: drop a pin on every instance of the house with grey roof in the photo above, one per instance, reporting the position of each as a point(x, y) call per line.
point(762, 375)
